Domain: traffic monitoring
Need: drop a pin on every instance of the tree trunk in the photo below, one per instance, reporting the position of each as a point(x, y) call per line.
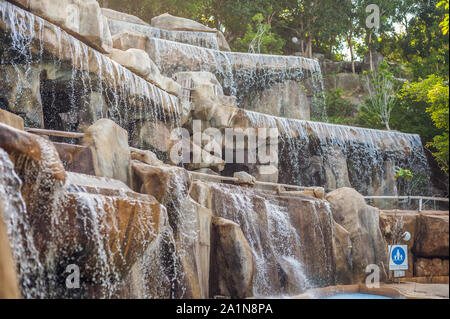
point(309, 47)
point(350, 44)
point(370, 52)
point(387, 126)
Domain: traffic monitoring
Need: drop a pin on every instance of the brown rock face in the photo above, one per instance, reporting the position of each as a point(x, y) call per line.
point(37, 164)
point(161, 181)
point(96, 223)
point(362, 222)
point(111, 154)
point(190, 222)
point(232, 264)
point(313, 223)
point(114, 226)
point(290, 236)
point(433, 235)
point(425, 267)
point(76, 158)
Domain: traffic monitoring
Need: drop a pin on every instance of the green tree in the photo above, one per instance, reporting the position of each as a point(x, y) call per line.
point(435, 92)
point(259, 38)
point(444, 23)
point(421, 47)
point(382, 94)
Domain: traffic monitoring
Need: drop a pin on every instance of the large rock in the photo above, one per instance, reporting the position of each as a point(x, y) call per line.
point(190, 221)
point(129, 39)
point(125, 221)
point(76, 158)
point(201, 193)
point(169, 22)
point(154, 135)
point(82, 18)
point(192, 80)
point(121, 16)
point(433, 235)
point(24, 148)
point(207, 107)
point(138, 61)
point(244, 178)
point(111, 154)
point(290, 236)
point(192, 235)
point(166, 184)
point(362, 222)
point(147, 157)
point(170, 86)
point(232, 264)
point(11, 119)
point(313, 224)
point(285, 99)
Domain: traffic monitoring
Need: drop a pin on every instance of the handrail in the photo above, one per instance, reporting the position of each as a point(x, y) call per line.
point(442, 199)
point(222, 178)
point(235, 179)
point(41, 131)
point(420, 198)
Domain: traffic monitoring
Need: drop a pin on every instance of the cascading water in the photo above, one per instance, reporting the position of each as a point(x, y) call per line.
point(240, 73)
point(278, 250)
point(77, 81)
point(29, 268)
point(313, 152)
point(201, 39)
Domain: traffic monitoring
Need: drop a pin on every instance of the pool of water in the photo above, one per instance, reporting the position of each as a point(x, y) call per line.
point(356, 296)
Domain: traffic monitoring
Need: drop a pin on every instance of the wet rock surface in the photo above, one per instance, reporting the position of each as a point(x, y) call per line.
point(362, 222)
point(232, 265)
point(139, 227)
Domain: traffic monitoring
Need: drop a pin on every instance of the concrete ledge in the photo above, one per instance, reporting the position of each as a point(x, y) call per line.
point(405, 290)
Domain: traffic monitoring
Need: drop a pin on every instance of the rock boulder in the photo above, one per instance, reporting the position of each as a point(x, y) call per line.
point(433, 235)
point(83, 19)
point(232, 264)
point(362, 222)
point(111, 154)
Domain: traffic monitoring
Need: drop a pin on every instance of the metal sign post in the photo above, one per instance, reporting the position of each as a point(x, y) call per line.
point(398, 260)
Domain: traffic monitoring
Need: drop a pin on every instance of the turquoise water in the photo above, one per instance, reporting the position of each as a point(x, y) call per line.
point(356, 296)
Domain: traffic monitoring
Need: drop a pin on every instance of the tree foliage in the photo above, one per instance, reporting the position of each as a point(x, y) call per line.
point(259, 38)
point(434, 92)
point(381, 99)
